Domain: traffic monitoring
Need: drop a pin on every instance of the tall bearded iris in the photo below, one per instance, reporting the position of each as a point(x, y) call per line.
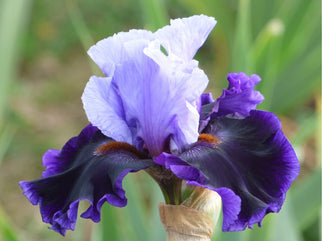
point(149, 112)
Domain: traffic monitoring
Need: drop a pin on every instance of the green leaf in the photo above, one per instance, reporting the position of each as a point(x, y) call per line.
point(157, 232)
point(308, 125)
point(134, 213)
point(7, 232)
point(5, 140)
point(242, 40)
point(299, 80)
point(291, 63)
point(285, 228)
point(141, 216)
point(13, 18)
point(109, 228)
point(302, 21)
point(83, 33)
point(306, 200)
point(154, 13)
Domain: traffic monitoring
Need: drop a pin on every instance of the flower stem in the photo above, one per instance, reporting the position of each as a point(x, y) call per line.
point(194, 219)
point(170, 184)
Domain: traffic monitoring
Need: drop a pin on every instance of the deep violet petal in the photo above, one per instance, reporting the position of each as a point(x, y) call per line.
point(253, 160)
point(80, 172)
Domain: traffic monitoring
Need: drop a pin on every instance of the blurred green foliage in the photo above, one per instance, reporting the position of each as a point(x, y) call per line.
point(43, 66)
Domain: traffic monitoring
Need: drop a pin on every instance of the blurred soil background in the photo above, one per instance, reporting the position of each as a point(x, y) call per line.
point(44, 69)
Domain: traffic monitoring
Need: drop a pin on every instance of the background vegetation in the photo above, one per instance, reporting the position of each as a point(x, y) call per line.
point(44, 69)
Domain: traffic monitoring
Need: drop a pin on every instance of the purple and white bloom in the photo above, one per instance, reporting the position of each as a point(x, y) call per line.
point(149, 97)
point(149, 112)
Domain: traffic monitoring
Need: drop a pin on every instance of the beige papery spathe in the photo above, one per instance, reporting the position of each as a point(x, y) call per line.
point(194, 219)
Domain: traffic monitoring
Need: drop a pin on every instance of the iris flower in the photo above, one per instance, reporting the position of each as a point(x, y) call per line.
point(149, 113)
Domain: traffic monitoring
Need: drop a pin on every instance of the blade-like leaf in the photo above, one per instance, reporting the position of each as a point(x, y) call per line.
point(242, 39)
point(13, 17)
point(306, 201)
point(7, 232)
point(154, 13)
point(285, 224)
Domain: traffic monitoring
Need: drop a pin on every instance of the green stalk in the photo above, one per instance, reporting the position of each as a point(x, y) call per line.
point(242, 42)
point(170, 185)
point(154, 13)
point(13, 16)
point(81, 29)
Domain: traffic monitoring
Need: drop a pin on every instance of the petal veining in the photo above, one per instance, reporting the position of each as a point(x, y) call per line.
point(107, 52)
point(104, 108)
point(165, 103)
point(254, 161)
point(78, 173)
point(240, 97)
point(184, 36)
point(150, 99)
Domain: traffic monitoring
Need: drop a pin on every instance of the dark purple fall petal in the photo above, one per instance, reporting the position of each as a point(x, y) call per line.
point(57, 161)
point(206, 98)
point(254, 163)
point(240, 97)
point(78, 173)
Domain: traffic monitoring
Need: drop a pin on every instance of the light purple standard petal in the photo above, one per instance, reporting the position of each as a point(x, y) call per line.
point(181, 40)
point(149, 99)
point(107, 53)
point(104, 108)
point(159, 102)
point(184, 36)
point(240, 97)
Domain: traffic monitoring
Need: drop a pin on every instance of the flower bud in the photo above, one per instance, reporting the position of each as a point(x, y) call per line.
point(194, 219)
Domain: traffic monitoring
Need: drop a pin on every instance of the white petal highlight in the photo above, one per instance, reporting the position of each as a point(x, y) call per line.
point(104, 109)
